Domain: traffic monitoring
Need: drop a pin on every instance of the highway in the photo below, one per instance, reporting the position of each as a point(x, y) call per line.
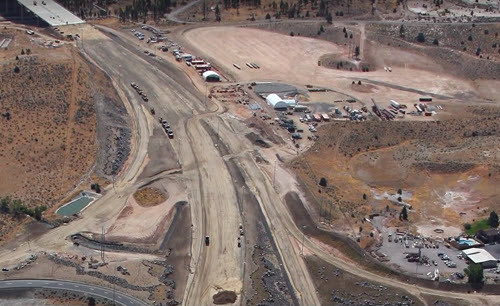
point(93, 290)
point(212, 194)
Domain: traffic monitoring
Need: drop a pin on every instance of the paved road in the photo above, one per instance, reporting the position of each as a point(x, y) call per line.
point(96, 291)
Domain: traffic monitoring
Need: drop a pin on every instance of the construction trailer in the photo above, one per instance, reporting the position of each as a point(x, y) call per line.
point(395, 104)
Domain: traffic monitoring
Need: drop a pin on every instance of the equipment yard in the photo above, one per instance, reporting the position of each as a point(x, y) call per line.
point(331, 153)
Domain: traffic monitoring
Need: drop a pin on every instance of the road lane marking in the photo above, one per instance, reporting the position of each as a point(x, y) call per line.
point(91, 289)
point(105, 292)
point(30, 283)
point(9, 283)
point(59, 284)
point(76, 286)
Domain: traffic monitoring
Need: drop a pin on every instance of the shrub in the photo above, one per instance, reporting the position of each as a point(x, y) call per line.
point(493, 220)
point(467, 226)
point(268, 16)
point(322, 182)
point(291, 33)
point(421, 37)
point(436, 42)
point(17, 70)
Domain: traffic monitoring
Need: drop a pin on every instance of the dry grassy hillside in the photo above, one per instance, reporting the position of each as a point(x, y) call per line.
point(428, 159)
point(480, 40)
point(48, 127)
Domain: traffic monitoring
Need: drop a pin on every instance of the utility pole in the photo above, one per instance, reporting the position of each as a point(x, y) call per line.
point(102, 244)
point(303, 237)
point(274, 176)
point(218, 129)
point(28, 227)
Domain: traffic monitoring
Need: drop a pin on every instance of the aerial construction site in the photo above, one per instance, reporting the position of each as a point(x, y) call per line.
point(211, 152)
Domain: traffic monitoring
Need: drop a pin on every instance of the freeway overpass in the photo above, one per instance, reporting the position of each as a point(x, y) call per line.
point(91, 290)
point(47, 11)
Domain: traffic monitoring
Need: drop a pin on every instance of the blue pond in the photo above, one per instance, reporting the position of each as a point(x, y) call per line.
point(75, 206)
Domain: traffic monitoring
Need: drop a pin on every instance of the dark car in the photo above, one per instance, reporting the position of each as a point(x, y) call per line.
point(459, 275)
point(296, 136)
point(207, 240)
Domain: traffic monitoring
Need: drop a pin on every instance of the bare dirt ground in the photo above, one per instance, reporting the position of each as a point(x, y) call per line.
point(300, 65)
point(142, 223)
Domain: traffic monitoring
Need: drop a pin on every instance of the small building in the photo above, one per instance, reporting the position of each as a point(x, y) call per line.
point(489, 235)
point(211, 76)
point(277, 103)
point(481, 256)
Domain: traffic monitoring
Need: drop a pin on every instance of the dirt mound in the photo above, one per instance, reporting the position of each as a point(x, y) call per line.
point(224, 297)
point(257, 140)
point(149, 196)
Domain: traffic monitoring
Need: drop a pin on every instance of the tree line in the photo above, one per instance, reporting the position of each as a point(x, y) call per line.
point(17, 209)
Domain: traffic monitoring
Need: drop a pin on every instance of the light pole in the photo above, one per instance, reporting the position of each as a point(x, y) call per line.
point(303, 237)
point(274, 176)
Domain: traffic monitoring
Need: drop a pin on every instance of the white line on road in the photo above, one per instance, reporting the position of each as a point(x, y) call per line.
point(9, 283)
point(59, 284)
point(91, 289)
point(30, 283)
point(105, 292)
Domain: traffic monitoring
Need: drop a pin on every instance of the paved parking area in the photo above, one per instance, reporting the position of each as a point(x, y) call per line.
point(396, 253)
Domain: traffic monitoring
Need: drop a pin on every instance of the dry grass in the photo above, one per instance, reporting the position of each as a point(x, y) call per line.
point(149, 196)
point(48, 146)
point(430, 159)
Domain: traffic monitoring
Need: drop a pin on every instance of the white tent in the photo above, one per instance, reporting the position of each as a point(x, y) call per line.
point(211, 76)
point(277, 103)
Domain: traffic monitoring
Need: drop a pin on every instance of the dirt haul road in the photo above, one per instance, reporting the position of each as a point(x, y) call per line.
point(212, 195)
point(214, 207)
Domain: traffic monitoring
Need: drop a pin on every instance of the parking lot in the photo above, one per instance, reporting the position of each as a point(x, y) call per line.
point(402, 245)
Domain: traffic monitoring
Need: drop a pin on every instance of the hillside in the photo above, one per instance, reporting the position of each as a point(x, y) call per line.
point(49, 123)
point(429, 160)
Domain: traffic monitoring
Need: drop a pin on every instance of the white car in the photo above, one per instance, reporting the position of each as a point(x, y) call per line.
point(29, 32)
